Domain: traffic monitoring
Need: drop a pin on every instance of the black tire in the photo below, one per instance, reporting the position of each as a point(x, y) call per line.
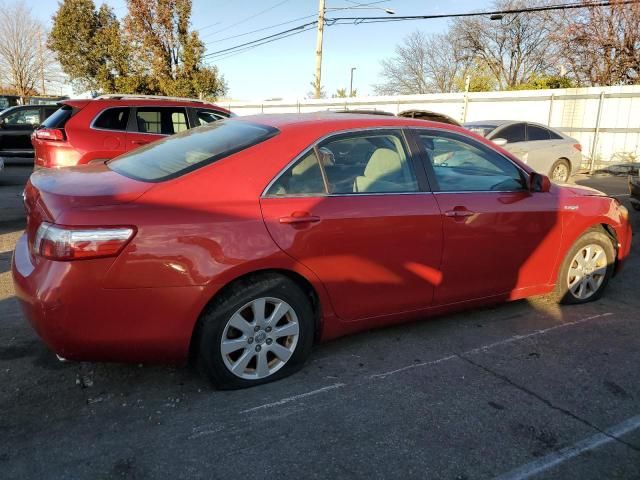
point(556, 164)
point(562, 293)
point(213, 321)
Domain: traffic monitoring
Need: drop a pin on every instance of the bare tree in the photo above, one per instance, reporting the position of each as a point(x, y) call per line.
point(514, 48)
point(21, 58)
point(422, 64)
point(601, 46)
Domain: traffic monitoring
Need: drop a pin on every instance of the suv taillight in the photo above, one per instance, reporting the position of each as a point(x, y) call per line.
point(63, 243)
point(54, 134)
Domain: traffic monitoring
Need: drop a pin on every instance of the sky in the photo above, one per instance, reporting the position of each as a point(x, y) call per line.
point(285, 68)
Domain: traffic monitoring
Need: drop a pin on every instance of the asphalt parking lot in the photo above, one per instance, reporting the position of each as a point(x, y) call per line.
point(522, 390)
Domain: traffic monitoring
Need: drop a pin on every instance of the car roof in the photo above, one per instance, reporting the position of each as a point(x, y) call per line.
point(135, 101)
point(491, 123)
point(331, 121)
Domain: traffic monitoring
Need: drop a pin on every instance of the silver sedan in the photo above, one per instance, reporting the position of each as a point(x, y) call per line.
point(544, 149)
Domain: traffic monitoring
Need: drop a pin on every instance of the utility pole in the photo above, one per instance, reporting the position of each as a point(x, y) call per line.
point(318, 79)
point(351, 82)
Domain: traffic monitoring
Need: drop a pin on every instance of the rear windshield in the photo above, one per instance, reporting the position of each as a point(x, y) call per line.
point(59, 117)
point(189, 150)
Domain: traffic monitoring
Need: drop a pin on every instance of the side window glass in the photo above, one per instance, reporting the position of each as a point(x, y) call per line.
point(179, 121)
point(113, 119)
point(464, 166)
point(23, 117)
point(302, 178)
point(372, 162)
point(205, 117)
point(512, 134)
point(163, 121)
point(535, 133)
point(149, 121)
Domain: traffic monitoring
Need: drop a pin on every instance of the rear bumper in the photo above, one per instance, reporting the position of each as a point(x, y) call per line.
point(80, 320)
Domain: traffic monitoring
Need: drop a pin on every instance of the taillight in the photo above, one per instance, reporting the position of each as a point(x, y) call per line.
point(54, 134)
point(577, 146)
point(63, 243)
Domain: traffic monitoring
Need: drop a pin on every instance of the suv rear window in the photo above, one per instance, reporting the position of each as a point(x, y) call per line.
point(190, 150)
point(59, 117)
point(113, 119)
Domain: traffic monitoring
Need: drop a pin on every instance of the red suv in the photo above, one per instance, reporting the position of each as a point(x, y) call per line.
point(83, 131)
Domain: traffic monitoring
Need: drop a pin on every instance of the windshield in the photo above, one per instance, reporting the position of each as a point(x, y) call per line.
point(483, 130)
point(189, 150)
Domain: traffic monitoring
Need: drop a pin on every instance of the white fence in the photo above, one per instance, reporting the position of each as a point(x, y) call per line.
point(606, 120)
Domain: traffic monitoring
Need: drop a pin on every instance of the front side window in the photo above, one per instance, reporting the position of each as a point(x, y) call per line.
point(113, 119)
point(23, 117)
point(463, 165)
point(512, 133)
point(368, 162)
point(190, 150)
point(161, 121)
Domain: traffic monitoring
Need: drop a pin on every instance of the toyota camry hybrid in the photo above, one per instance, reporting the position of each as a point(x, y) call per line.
point(240, 244)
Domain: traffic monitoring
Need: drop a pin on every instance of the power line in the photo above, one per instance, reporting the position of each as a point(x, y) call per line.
point(279, 34)
point(358, 20)
point(262, 29)
point(242, 50)
point(246, 19)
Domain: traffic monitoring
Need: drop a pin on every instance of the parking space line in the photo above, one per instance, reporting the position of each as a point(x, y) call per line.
point(484, 348)
point(295, 397)
point(556, 458)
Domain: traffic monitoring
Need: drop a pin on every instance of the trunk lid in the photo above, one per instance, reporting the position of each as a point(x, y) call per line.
point(50, 192)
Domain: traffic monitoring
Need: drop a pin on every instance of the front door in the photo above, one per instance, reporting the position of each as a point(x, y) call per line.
point(16, 129)
point(498, 236)
point(352, 211)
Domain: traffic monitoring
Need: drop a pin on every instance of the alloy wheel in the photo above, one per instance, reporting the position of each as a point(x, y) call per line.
point(560, 173)
point(587, 271)
point(259, 338)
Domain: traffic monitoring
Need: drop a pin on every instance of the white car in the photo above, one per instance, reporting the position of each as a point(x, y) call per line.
point(544, 149)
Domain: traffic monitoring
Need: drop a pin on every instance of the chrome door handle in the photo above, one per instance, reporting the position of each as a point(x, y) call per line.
point(459, 213)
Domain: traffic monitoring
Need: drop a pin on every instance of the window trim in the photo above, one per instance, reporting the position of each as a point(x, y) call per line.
point(412, 156)
point(431, 174)
point(99, 114)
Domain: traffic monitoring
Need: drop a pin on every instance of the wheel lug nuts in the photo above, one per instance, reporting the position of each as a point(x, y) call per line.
point(269, 341)
point(250, 340)
point(256, 328)
point(258, 348)
point(268, 329)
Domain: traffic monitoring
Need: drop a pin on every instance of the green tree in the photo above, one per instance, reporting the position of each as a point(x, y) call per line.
point(88, 45)
point(544, 82)
point(153, 53)
point(168, 52)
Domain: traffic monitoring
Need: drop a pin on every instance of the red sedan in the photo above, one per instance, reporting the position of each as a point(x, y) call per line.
point(241, 243)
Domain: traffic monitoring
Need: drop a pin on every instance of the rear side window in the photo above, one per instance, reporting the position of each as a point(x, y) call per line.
point(535, 133)
point(161, 121)
point(512, 134)
point(112, 119)
point(190, 150)
point(59, 118)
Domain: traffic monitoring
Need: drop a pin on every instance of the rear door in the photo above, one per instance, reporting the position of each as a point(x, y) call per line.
point(499, 237)
point(111, 126)
point(542, 145)
point(356, 211)
point(153, 123)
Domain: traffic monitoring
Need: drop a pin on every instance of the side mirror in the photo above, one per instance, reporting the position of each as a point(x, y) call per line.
point(539, 183)
point(501, 142)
